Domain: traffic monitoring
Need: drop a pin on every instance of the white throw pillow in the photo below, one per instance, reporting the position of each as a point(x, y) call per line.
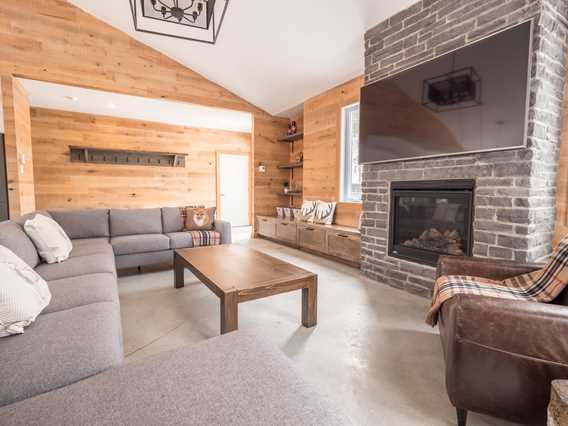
point(325, 212)
point(53, 244)
point(23, 294)
point(308, 210)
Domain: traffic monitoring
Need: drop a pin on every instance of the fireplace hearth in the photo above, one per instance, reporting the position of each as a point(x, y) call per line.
point(431, 218)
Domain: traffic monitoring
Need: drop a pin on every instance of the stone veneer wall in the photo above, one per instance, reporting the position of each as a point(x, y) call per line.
point(515, 194)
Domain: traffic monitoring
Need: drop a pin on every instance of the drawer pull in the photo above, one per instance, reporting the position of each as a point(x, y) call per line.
point(284, 224)
point(264, 220)
point(310, 229)
point(342, 235)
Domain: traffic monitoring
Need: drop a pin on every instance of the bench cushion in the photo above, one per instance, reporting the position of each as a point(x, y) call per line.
point(134, 244)
point(76, 266)
point(135, 221)
point(235, 379)
point(73, 292)
point(179, 240)
point(13, 237)
point(59, 349)
point(87, 223)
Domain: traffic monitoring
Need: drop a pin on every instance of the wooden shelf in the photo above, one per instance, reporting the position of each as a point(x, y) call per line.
point(81, 154)
point(292, 138)
point(291, 165)
point(290, 194)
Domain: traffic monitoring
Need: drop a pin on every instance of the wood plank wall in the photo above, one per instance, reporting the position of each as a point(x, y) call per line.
point(54, 41)
point(322, 143)
point(18, 145)
point(267, 150)
point(562, 179)
point(63, 184)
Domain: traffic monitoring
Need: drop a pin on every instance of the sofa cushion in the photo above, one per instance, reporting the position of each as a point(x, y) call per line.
point(135, 221)
point(179, 240)
point(133, 244)
point(13, 237)
point(60, 348)
point(235, 379)
point(172, 219)
point(87, 223)
point(83, 290)
point(89, 246)
point(75, 266)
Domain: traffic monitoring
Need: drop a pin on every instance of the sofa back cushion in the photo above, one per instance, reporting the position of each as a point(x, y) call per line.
point(173, 219)
point(13, 237)
point(135, 221)
point(86, 223)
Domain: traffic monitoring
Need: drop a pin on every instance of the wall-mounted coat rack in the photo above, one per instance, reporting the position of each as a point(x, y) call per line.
point(123, 157)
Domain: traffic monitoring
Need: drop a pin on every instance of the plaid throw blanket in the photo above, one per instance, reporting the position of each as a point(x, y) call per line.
point(539, 286)
point(205, 238)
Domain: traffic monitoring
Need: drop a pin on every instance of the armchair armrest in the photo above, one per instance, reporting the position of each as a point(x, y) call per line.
point(530, 329)
point(225, 229)
point(493, 269)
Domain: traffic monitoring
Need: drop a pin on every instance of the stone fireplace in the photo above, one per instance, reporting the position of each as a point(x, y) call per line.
point(513, 199)
point(431, 218)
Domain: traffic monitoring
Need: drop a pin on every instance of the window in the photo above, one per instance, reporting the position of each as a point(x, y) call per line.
point(350, 168)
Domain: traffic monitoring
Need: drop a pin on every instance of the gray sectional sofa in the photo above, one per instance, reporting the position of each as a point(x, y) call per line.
point(67, 366)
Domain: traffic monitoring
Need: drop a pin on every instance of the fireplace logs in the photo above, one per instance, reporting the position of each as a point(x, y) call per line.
point(447, 241)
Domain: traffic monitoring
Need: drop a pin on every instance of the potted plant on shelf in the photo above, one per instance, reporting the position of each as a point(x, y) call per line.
point(286, 187)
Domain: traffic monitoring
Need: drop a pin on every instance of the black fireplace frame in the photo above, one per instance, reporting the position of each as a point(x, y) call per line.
point(456, 188)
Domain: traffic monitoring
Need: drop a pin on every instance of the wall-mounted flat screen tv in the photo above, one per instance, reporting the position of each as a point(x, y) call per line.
point(470, 100)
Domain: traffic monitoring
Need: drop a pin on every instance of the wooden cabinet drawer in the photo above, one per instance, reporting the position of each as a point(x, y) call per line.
point(287, 231)
point(312, 238)
point(267, 227)
point(344, 246)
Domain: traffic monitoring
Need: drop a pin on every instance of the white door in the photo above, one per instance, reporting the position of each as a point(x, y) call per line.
point(234, 188)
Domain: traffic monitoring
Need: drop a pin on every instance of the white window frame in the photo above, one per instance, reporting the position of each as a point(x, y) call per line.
point(346, 195)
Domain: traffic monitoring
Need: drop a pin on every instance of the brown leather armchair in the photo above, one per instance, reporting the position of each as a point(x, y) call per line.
point(501, 355)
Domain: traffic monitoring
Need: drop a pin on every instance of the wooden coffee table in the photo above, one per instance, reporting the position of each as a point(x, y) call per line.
point(237, 274)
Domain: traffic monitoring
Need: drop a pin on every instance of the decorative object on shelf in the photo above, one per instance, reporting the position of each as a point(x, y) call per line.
point(194, 20)
point(286, 187)
point(299, 157)
point(280, 211)
point(124, 157)
point(324, 212)
point(292, 128)
point(308, 210)
point(261, 167)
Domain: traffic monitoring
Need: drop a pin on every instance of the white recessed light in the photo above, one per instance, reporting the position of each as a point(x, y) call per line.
point(71, 98)
point(110, 105)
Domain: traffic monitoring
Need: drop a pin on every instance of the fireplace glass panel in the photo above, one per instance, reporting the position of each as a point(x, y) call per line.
point(427, 223)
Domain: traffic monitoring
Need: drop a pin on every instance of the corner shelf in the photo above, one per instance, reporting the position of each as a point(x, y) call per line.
point(290, 166)
point(290, 194)
point(292, 138)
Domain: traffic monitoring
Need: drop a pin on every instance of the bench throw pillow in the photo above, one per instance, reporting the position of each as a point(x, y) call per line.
point(23, 294)
point(324, 213)
point(308, 211)
point(199, 218)
point(53, 244)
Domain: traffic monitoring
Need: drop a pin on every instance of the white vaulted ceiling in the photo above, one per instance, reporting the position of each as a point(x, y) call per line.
point(273, 53)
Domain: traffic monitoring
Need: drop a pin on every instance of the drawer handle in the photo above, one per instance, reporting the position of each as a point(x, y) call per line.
point(264, 220)
point(310, 229)
point(342, 235)
point(284, 224)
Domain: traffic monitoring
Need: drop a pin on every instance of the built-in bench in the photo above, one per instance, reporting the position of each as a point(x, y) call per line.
point(338, 242)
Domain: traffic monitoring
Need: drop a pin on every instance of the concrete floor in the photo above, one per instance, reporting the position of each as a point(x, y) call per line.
point(371, 351)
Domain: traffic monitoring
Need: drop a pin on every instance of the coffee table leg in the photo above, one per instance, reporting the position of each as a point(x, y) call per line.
point(310, 304)
point(229, 313)
point(179, 269)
